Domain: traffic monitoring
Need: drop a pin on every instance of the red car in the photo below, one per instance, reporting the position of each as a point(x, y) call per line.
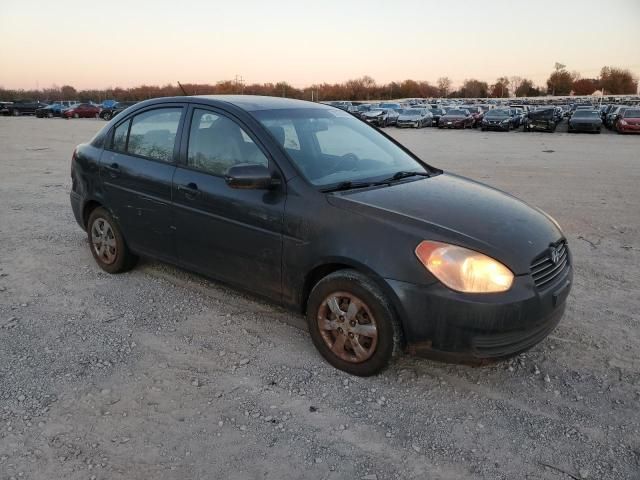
point(456, 118)
point(476, 112)
point(629, 121)
point(82, 110)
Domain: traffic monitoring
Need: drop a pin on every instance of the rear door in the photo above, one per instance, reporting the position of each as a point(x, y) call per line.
point(137, 168)
point(231, 234)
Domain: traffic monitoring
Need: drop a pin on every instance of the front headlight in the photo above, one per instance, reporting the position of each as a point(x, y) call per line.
point(464, 270)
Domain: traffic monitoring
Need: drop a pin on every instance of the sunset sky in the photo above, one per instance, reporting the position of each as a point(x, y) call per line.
point(91, 44)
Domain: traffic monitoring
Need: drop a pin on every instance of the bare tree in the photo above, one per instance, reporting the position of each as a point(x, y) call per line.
point(444, 85)
point(515, 81)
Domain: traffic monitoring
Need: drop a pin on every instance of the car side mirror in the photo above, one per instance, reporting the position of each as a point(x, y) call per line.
point(250, 176)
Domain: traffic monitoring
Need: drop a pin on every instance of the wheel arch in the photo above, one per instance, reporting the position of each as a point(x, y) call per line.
point(87, 208)
point(334, 264)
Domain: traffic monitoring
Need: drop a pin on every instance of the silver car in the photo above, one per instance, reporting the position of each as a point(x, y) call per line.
point(414, 118)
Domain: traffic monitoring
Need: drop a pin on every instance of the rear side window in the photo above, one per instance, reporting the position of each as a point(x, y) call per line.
point(119, 143)
point(153, 134)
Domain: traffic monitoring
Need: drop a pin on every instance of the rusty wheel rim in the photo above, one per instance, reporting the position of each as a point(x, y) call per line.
point(103, 241)
point(348, 327)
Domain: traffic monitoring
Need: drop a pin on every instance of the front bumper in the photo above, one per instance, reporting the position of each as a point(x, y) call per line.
point(450, 124)
point(496, 126)
point(446, 325)
point(375, 121)
point(540, 126)
point(407, 124)
point(584, 127)
point(629, 128)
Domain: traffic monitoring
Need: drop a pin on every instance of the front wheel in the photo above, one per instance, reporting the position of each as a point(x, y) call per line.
point(352, 324)
point(107, 243)
point(107, 116)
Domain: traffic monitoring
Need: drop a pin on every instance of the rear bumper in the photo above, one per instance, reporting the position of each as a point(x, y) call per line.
point(446, 325)
point(76, 206)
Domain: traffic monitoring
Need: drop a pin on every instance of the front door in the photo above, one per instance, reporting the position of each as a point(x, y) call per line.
point(137, 168)
point(231, 234)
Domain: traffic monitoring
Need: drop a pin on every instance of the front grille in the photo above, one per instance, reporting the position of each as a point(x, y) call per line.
point(544, 270)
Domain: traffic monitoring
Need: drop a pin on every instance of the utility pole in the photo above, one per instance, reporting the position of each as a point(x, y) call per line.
point(239, 83)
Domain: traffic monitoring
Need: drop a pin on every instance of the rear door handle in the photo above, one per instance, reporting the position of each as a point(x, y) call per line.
point(114, 169)
point(190, 190)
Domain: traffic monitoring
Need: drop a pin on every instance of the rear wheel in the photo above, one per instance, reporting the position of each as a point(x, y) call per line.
point(352, 324)
point(107, 116)
point(107, 243)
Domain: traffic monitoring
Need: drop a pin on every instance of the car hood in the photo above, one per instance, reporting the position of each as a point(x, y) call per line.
point(460, 211)
point(409, 117)
point(585, 120)
point(373, 114)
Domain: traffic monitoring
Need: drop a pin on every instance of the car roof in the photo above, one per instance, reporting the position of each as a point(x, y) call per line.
point(254, 102)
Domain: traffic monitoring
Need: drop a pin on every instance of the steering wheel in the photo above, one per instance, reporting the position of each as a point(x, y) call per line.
point(350, 161)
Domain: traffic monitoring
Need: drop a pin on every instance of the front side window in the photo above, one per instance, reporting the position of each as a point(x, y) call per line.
point(153, 133)
point(335, 147)
point(217, 143)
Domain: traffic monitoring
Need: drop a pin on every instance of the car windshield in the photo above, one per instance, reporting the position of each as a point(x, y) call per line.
point(390, 105)
point(454, 111)
point(412, 111)
point(586, 114)
point(631, 114)
point(497, 113)
point(330, 147)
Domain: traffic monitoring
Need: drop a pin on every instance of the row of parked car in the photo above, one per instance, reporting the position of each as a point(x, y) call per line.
point(63, 108)
point(501, 116)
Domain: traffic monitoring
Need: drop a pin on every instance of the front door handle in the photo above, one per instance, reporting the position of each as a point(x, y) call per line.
point(190, 190)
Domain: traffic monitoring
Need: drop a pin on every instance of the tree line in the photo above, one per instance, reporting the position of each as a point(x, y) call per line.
point(612, 81)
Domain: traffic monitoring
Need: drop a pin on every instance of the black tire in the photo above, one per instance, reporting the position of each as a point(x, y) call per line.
point(107, 116)
point(117, 257)
point(375, 309)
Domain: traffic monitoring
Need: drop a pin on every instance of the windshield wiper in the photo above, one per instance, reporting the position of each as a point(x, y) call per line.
point(348, 185)
point(404, 174)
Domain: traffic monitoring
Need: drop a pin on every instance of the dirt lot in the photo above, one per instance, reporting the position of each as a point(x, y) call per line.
point(161, 374)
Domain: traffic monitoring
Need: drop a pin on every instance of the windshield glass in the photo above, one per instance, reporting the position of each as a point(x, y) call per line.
point(497, 113)
point(586, 114)
point(454, 111)
point(395, 106)
point(631, 114)
point(411, 111)
point(330, 147)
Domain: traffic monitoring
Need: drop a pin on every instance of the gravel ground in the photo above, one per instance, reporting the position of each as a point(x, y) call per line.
point(159, 373)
